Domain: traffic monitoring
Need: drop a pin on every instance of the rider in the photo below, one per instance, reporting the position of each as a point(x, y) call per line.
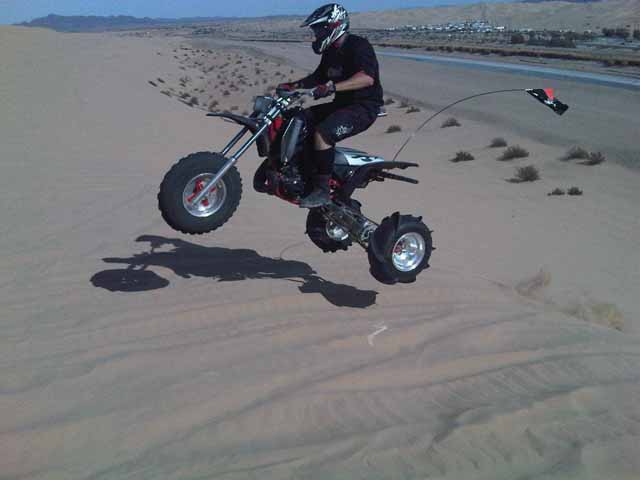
point(348, 69)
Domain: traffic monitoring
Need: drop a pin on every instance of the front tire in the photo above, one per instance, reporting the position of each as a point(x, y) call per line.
point(399, 249)
point(185, 180)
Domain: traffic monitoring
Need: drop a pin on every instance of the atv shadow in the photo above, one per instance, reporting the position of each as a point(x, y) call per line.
point(224, 265)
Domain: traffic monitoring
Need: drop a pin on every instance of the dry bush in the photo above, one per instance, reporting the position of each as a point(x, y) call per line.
point(462, 157)
point(556, 191)
point(526, 174)
point(450, 122)
point(193, 102)
point(234, 108)
point(574, 191)
point(389, 101)
point(413, 109)
point(498, 142)
point(404, 104)
point(394, 129)
point(226, 93)
point(160, 80)
point(575, 152)
point(213, 105)
point(184, 95)
point(595, 158)
point(153, 83)
point(166, 92)
point(515, 151)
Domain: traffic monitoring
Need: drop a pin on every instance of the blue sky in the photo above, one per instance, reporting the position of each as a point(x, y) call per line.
point(13, 11)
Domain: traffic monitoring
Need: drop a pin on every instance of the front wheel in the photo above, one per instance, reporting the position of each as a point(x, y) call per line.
point(399, 249)
point(185, 181)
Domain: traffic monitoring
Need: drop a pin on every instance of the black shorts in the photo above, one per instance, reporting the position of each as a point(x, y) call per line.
point(336, 123)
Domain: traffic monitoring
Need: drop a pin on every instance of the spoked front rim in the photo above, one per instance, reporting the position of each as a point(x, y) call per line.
point(210, 203)
point(408, 252)
point(336, 232)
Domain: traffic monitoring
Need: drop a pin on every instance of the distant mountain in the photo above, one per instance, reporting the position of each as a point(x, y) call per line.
point(92, 23)
point(570, 1)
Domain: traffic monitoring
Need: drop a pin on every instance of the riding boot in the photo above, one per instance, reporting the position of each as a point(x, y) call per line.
point(319, 197)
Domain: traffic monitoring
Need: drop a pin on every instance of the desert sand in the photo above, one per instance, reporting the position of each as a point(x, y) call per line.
point(128, 350)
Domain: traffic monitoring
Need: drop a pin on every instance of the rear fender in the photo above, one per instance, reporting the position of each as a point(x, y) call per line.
point(362, 175)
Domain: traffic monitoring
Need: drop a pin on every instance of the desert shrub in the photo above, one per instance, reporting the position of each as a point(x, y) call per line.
point(594, 158)
point(515, 151)
point(234, 108)
point(404, 104)
point(389, 101)
point(226, 93)
point(213, 105)
point(394, 129)
point(526, 174)
point(462, 157)
point(184, 96)
point(413, 109)
point(556, 191)
point(498, 142)
point(166, 92)
point(575, 152)
point(153, 83)
point(574, 191)
point(517, 38)
point(193, 102)
point(160, 80)
point(450, 122)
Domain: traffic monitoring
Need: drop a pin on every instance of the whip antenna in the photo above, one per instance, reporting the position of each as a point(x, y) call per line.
point(543, 95)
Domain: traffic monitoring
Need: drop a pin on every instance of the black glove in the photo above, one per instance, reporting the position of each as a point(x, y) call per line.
point(325, 90)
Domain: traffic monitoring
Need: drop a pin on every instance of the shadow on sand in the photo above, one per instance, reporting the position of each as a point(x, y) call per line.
point(223, 264)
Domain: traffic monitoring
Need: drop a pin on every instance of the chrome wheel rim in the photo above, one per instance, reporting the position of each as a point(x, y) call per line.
point(408, 252)
point(336, 232)
point(211, 203)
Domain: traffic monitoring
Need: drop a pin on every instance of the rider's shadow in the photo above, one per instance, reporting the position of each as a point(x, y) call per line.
point(223, 264)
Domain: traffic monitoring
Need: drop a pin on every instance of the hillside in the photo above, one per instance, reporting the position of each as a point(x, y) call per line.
point(63, 23)
point(551, 15)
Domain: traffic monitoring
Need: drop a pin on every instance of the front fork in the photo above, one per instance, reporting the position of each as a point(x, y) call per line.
point(275, 111)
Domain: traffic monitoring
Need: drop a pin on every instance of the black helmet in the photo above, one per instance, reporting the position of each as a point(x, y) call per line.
point(328, 23)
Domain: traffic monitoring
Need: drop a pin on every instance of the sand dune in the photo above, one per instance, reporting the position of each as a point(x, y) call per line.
point(129, 351)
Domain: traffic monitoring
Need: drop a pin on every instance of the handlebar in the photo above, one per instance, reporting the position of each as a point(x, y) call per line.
point(294, 94)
